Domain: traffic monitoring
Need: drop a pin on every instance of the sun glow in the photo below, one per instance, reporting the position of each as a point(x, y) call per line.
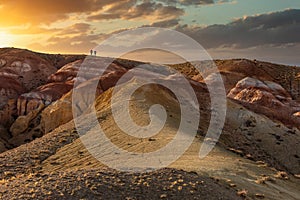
point(6, 40)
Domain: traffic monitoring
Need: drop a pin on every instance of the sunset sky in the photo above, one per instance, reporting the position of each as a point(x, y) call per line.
point(262, 29)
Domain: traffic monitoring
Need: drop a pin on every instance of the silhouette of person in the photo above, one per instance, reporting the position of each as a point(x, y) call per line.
point(91, 52)
point(95, 53)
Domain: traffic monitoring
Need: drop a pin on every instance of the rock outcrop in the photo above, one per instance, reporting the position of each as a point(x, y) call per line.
point(20, 71)
point(26, 67)
point(22, 129)
point(56, 114)
point(267, 98)
point(22, 122)
point(66, 73)
point(45, 94)
point(56, 95)
point(60, 111)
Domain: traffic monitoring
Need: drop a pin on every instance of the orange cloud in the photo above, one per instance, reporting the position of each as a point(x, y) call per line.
point(15, 12)
point(37, 12)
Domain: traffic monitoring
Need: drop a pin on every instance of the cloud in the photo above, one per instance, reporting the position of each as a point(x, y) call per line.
point(78, 37)
point(188, 2)
point(277, 28)
point(194, 2)
point(272, 29)
point(69, 44)
point(247, 34)
point(36, 12)
point(146, 10)
point(32, 30)
point(272, 37)
point(166, 23)
point(44, 12)
point(77, 28)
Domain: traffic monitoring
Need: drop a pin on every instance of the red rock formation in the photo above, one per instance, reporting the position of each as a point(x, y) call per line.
point(24, 71)
point(267, 98)
point(56, 90)
point(66, 73)
point(90, 68)
point(10, 89)
point(27, 67)
point(63, 81)
point(20, 71)
point(45, 94)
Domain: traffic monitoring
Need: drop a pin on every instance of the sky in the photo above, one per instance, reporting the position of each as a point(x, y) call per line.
point(255, 29)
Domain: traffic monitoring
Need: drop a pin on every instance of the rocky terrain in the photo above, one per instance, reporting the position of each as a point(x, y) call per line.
point(42, 156)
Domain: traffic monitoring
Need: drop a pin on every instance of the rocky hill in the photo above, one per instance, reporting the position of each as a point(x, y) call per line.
point(257, 155)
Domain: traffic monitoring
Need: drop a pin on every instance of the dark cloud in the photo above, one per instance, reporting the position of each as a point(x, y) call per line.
point(193, 2)
point(188, 2)
point(146, 10)
point(196, 2)
point(272, 29)
point(271, 37)
point(276, 28)
point(166, 23)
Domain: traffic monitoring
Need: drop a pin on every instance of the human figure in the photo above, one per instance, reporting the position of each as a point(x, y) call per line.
point(95, 53)
point(91, 52)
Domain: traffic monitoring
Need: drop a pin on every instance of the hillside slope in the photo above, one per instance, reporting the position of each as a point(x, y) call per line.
point(53, 156)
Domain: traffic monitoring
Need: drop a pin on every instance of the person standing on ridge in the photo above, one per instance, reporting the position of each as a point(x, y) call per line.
point(91, 52)
point(95, 53)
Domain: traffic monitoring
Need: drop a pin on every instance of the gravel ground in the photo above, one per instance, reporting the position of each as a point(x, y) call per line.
point(109, 184)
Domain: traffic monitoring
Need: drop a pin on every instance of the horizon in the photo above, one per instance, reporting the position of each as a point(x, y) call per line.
point(230, 29)
point(151, 60)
